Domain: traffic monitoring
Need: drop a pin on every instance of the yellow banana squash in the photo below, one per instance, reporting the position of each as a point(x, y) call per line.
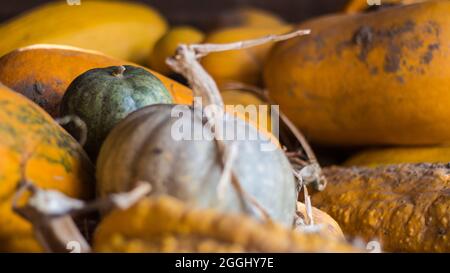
point(398, 155)
point(245, 65)
point(124, 30)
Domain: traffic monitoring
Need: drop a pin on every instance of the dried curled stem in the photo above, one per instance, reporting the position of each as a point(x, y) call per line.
point(186, 63)
point(204, 49)
point(51, 214)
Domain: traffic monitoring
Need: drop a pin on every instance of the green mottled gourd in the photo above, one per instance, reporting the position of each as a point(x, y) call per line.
point(102, 97)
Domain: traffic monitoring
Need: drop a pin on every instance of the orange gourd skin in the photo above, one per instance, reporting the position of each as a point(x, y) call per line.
point(360, 79)
point(329, 226)
point(43, 72)
point(405, 207)
point(52, 159)
point(165, 224)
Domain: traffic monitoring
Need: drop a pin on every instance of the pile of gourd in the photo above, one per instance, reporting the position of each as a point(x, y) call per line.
point(362, 78)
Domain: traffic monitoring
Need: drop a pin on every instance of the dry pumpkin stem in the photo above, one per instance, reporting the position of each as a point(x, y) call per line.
point(46, 210)
point(51, 213)
point(186, 63)
point(79, 123)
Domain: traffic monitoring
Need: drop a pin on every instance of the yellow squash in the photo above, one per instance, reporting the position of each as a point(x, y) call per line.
point(32, 143)
point(124, 30)
point(245, 65)
point(250, 16)
point(168, 44)
point(397, 155)
point(381, 77)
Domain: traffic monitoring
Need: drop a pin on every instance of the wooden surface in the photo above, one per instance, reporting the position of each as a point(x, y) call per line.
point(203, 12)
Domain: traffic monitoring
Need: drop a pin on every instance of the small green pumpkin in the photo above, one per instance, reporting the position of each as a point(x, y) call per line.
point(102, 97)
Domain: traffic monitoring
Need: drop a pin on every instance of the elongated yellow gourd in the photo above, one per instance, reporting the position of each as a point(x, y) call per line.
point(124, 30)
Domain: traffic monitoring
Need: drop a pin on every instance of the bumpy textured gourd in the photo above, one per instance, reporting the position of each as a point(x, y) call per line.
point(360, 79)
point(102, 97)
point(398, 155)
point(32, 144)
point(144, 147)
point(167, 225)
point(405, 207)
point(125, 30)
point(44, 72)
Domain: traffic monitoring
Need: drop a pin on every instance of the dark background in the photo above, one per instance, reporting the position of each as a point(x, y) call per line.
point(203, 12)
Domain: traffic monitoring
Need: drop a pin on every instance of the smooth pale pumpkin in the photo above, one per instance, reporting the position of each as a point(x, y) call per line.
point(360, 80)
point(168, 44)
point(405, 207)
point(124, 30)
point(102, 97)
point(148, 146)
point(397, 155)
point(43, 72)
point(251, 17)
point(165, 224)
point(245, 65)
point(362, 5)
point(52, 159)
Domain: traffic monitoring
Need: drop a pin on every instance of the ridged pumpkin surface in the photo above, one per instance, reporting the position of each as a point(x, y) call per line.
point(166, 225)
point(397, 155)
point(405, 207)
point(124, 30)
point(43, 73)
point(361, 79)
point(145, 147)
point(52, 159)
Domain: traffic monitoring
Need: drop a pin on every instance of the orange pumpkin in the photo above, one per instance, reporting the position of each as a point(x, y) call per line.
point(43, 72)
point(30, 141)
